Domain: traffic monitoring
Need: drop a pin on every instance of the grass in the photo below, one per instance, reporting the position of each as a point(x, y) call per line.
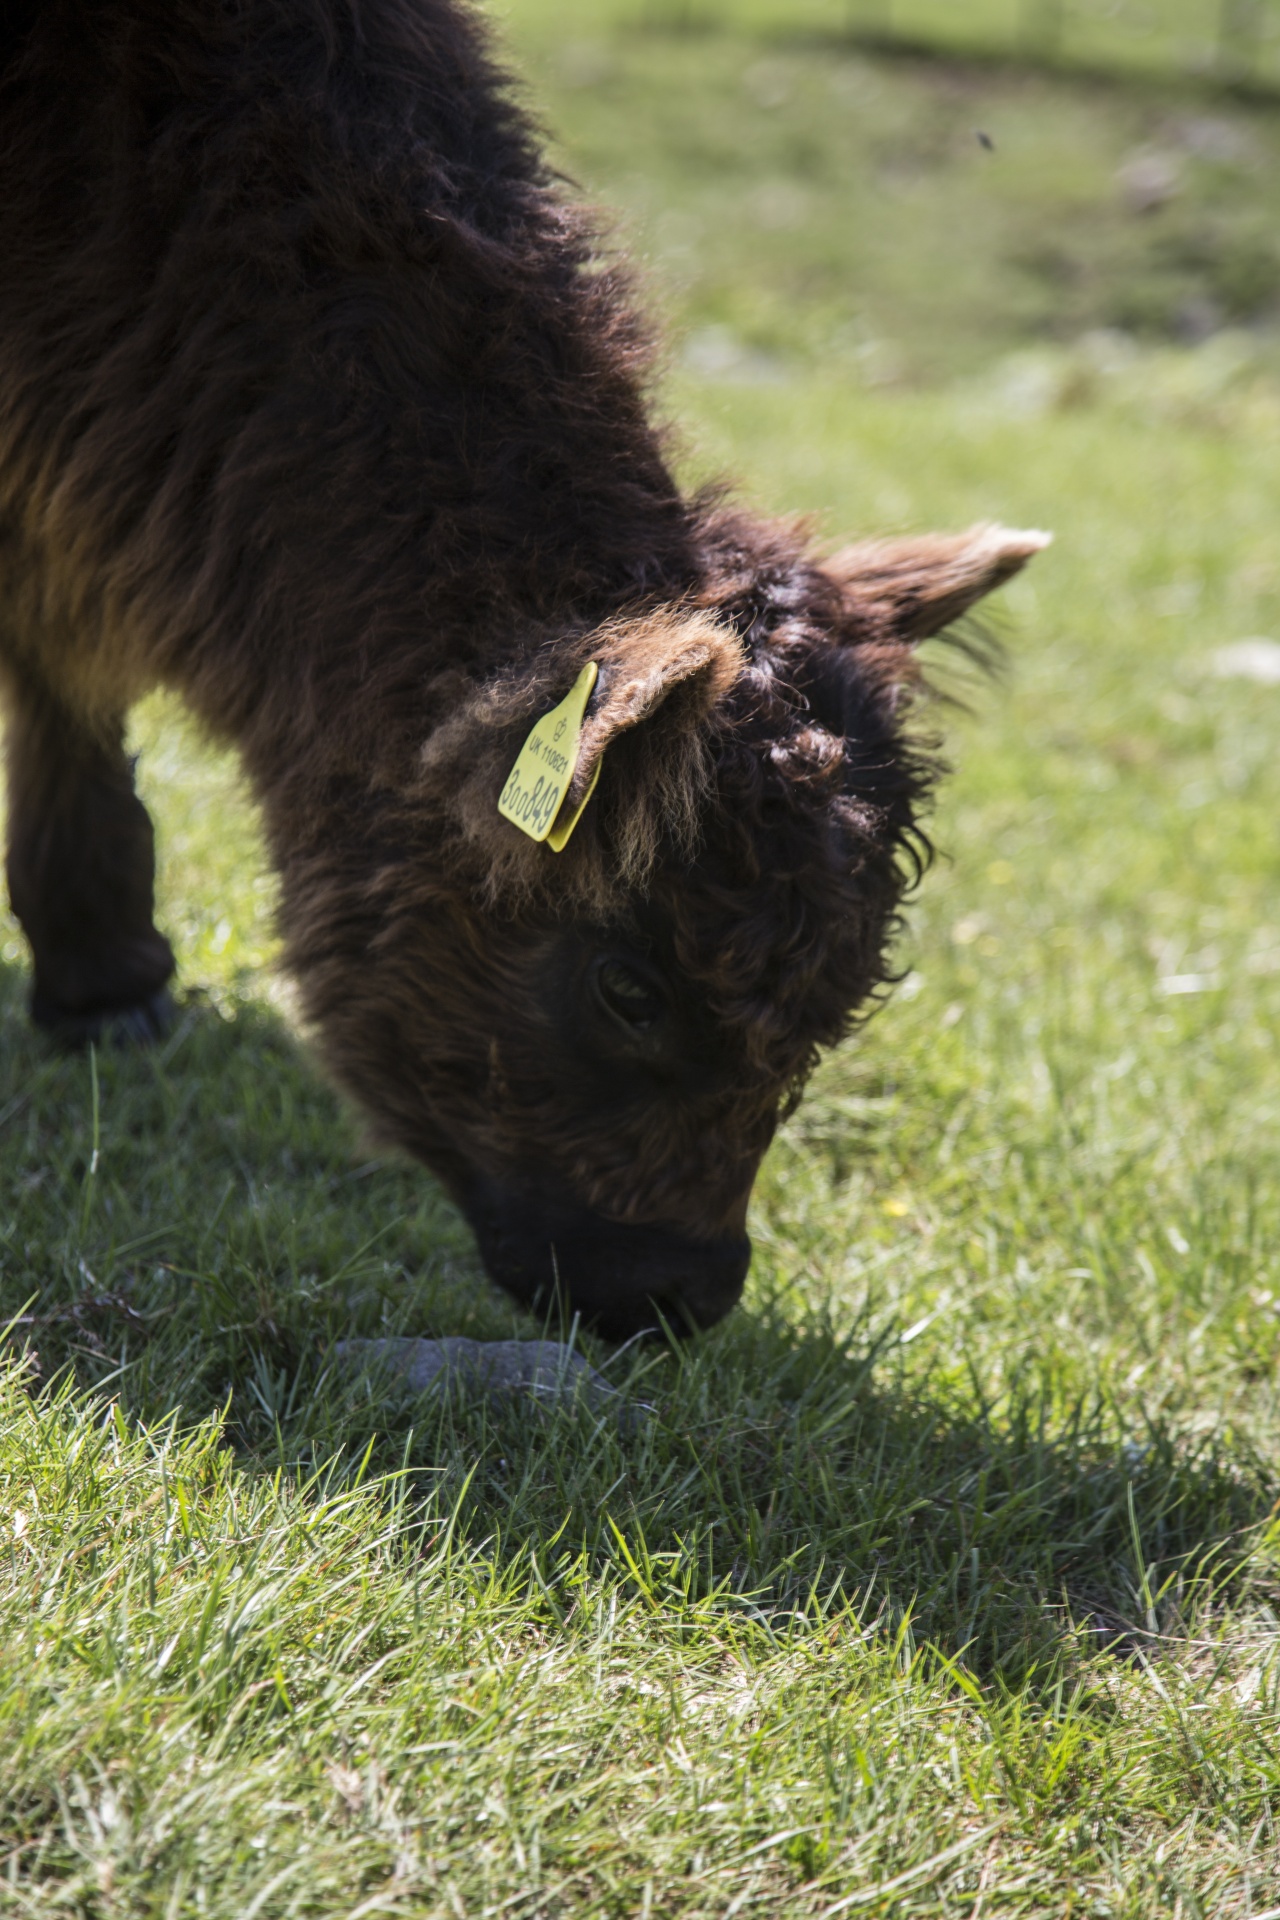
point(768, 183)
point(943, 1580)
point(1202, 40)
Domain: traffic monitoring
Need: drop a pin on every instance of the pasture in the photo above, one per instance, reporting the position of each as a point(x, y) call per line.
point(943, 1578)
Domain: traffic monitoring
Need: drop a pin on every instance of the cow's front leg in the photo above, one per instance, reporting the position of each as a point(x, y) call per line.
point(81, 866)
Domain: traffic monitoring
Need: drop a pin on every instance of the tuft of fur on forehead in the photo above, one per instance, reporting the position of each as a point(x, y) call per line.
point(812, 838)
point(662, 673)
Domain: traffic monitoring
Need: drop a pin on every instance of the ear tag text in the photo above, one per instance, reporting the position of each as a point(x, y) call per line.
point(545, 765)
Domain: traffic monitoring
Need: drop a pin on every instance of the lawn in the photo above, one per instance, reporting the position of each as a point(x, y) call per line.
point(943, 1578)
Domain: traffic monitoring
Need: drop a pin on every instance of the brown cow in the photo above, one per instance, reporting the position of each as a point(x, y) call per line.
point(318, 404)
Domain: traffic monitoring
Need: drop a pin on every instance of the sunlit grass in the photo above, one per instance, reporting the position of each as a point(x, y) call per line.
point(943, 1578)
point(801, 203)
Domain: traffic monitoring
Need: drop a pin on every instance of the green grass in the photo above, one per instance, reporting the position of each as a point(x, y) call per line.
point(1199, 40)
point(944, 1578)
point(801, 202)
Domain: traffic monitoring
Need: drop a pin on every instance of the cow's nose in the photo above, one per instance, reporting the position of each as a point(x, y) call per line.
point(623, 1280)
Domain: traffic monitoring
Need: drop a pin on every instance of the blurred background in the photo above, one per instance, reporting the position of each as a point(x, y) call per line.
point(1235, 41)
point(905, 190)
point(1231, 40)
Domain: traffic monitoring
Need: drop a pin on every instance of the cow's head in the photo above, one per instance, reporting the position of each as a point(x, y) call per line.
point(593, 1047)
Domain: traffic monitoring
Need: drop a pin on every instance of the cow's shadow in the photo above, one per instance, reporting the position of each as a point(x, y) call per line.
point(231, 1231)
point(783, 1469)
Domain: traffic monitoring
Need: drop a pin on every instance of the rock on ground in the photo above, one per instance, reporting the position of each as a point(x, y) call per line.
point(542, 1369)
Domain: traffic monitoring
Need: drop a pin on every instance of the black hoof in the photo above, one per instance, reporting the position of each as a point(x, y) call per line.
point(138, 1025)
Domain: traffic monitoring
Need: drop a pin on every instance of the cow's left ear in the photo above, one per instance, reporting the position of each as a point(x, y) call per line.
point(909, 589)
point(675, 661)
point(658, 675)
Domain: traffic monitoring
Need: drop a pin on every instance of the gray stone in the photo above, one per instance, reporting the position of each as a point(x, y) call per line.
point(542, 1369)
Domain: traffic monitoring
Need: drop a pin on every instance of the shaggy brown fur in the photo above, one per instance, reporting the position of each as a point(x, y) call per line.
point(318, 405)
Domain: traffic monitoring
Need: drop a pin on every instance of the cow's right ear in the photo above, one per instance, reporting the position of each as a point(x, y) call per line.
point(910, 589)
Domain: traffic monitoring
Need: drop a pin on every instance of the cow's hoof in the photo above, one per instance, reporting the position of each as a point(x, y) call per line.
point(140, 1024)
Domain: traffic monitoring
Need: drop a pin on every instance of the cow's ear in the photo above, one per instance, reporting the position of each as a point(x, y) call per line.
point(909, 589)
point(658, 675)
point(673, 662)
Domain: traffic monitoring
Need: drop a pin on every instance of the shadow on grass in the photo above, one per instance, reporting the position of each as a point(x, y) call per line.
point(787, 1469)
point(230, 1231)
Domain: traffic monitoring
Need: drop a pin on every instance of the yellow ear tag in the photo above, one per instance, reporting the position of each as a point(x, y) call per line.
point(540, 777)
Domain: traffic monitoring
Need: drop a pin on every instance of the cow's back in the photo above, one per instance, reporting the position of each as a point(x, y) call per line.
point(293, 315)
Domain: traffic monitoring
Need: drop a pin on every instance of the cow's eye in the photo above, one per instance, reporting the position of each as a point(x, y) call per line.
point(627, 995)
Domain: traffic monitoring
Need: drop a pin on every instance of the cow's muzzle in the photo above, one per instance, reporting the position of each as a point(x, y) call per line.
point(621, 1279)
